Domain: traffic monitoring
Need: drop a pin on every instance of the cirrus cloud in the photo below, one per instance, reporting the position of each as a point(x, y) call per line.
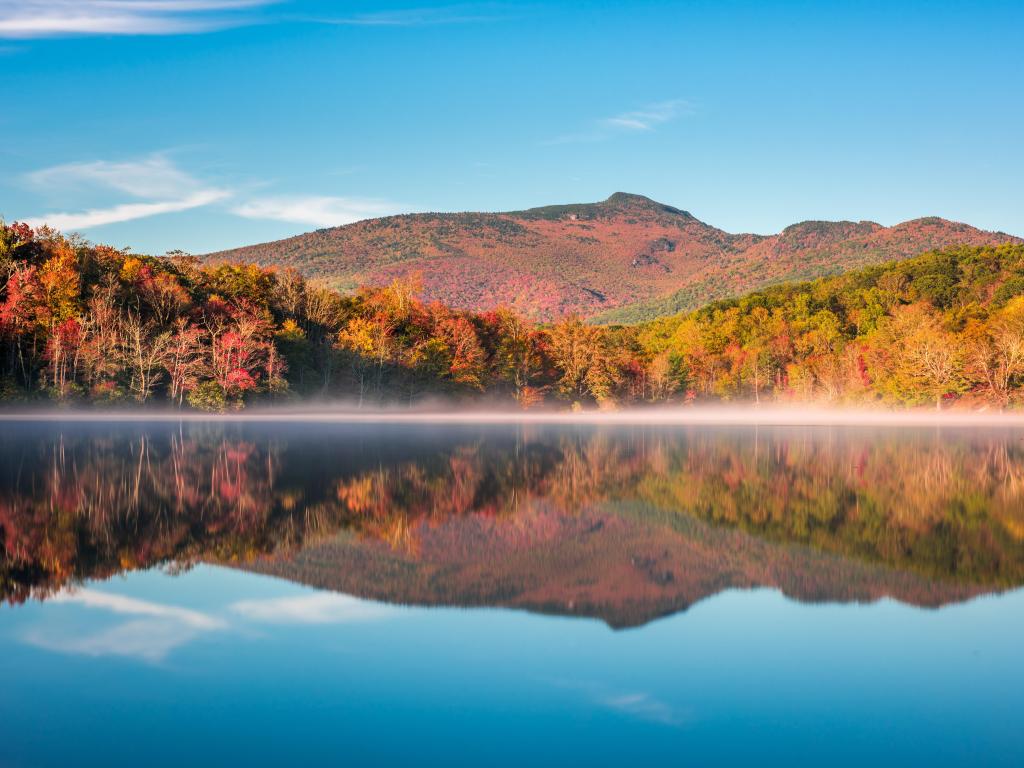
point(642, 120)
point(22, 19)
point(155, 185)
point(423, 17)
point(319, 211)
point(152, 176)
point(125, 212)
point(160, 185)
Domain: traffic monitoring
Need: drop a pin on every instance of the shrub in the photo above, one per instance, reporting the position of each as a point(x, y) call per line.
point(208, 396)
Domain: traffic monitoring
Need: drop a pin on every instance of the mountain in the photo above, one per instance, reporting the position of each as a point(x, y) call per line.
point(627, 258)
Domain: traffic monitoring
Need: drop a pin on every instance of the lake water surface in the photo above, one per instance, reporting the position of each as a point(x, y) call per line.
point(394, 594)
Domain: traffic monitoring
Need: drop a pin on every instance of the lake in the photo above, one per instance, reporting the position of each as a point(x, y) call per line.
point(507, 594)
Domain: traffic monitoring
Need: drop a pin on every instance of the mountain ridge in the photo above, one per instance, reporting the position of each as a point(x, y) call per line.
point(623, 259)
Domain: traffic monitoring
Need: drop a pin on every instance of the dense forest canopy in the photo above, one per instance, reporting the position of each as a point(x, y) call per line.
point(941, 326)
point(83, 323)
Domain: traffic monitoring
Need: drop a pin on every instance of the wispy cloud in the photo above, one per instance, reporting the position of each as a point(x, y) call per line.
point(156, 185)
point(125, 212)
point(642, 120)
point(423, 17)
point(56, 18)
point(647, 119)
point(151, 632)
point(319, 211)
point(159, 185)
point(318, 608)
point(152, 176)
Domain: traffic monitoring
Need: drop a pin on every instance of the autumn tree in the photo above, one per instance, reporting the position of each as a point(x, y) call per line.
point(587, 367)
point(517, 357)
point(995, 351)
point(63, 350)
point(186, 360)
point(162, 293)
point(145, 349)
point(466, 366)
point(918, 356)
point(758, 359)
point(368, 343)
point(24, 321)
point(240, 353)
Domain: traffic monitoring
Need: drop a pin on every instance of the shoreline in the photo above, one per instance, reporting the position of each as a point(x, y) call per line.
point(690, 416)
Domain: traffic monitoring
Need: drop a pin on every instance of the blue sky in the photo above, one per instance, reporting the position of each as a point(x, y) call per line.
point(204, 124)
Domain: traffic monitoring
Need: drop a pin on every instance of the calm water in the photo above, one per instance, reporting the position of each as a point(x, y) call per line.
point(282, 594)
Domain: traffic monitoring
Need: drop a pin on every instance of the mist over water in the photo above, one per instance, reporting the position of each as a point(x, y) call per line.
point(652, 562)
point(452, 413)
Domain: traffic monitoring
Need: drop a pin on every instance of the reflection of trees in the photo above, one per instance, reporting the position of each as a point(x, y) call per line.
point(75, 508)
point(946, 507)
point(84, 508)
point(390, 502)
point(91, 505)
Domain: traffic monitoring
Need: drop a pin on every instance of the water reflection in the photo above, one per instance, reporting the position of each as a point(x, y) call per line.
point(625, 524)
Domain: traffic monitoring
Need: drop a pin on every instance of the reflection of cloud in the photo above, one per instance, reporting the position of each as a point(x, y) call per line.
point(147, 639)
point(152, 630)
point(643, 707)
point(318, 608)
point(129, 605)
point(639, 705)
point(161, 628)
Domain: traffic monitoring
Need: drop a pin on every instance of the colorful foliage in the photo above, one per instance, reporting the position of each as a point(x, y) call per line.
point(83, 323)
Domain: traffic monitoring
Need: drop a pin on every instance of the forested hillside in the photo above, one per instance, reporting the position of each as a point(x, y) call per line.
point(941, 326)
point(90, 324)
point(625, 259)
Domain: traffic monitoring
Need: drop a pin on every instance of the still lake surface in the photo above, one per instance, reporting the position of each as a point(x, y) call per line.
point(300, 593)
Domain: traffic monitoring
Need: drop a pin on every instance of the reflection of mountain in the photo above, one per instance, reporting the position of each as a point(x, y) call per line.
point(625, 524)
point(626, 567)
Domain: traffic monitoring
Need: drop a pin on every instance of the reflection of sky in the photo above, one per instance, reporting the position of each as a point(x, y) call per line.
point(218, 666)
point(130, 627)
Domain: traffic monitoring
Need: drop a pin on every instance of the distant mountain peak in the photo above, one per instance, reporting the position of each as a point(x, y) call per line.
point(618, 204)
point(623, 258)
point(631, 200)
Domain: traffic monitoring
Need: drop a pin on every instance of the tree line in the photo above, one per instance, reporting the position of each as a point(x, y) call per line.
point(944, 326)
point(84, 323)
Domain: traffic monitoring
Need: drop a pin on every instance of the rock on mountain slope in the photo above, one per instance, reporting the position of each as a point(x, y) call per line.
point(625, 252)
